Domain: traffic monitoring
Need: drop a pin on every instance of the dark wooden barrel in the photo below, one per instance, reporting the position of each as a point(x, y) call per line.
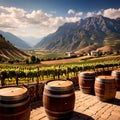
point(86, 81)
point(39, 90)
point(14, 103)
point(74, 80)
point(105, 88)
point(31, 90)
point(59, 99)
point(116, 74)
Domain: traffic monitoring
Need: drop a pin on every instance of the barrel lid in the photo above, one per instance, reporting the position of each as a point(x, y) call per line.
point(105, 78)
point(59, 84)
point(12, 93)
point(116, 72)
point(87, 73)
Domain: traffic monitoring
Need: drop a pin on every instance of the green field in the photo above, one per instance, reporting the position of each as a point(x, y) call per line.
point(46, 54)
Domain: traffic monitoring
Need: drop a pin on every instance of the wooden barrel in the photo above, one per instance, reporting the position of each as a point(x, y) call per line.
point(74, 80)
point(31, 90)
point(39, 90)
point(58, 99)
point(105, 88)
point(86, 81)
point(14, 103)
point(116, 74)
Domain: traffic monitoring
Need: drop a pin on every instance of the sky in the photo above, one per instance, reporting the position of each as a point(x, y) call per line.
point(29, 19)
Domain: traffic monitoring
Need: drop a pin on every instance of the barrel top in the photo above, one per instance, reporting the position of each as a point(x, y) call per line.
point(60, 83)
point(105, 77)
point(12, 91)
point(87, 73)
point(116, 71)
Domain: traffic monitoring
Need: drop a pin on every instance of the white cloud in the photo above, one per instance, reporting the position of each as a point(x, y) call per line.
point(90, 14)
point(38, 18)
point(72, 19)
point(79, 14)
point(70, 11)
point(11, 17)
point(99, 13)
point(111, 13)
point(36, 23)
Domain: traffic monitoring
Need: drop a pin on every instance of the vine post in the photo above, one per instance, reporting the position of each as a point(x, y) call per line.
point(2, 80)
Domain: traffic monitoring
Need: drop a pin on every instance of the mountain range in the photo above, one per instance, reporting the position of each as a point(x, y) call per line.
point(87, 34)
point(16, 41)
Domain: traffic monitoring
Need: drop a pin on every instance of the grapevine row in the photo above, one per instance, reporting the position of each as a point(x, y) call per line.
point(21, 74)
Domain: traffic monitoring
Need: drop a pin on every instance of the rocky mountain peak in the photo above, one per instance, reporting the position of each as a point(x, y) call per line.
point(87, 32)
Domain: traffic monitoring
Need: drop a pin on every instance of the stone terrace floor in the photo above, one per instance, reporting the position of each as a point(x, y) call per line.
point(87, 107)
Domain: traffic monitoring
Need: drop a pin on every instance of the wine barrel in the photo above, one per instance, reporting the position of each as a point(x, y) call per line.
point(14, 103)
point(31, 90)
point(39, 90)
point(74, 80)
point(105, 88)
point(58, 99)
point(116, 74)
point(86, 81)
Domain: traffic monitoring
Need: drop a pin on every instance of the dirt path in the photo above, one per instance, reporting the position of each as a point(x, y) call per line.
point(60, 61)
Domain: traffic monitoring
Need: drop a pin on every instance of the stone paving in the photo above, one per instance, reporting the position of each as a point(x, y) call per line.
point(87, 107)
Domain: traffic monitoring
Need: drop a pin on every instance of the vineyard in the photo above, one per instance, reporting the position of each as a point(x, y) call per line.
point(16, 74)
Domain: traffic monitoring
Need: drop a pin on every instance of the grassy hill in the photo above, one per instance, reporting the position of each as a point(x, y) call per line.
point(8, 51)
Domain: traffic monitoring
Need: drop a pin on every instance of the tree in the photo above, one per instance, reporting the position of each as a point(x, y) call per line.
point(37, 60)
point(27, 61)
point(33, 59)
